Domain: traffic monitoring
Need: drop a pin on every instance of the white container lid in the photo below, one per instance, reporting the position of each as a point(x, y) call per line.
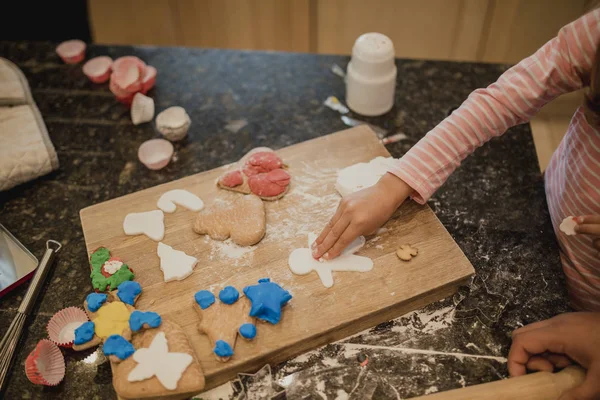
point(373, 55)
point(371, 75)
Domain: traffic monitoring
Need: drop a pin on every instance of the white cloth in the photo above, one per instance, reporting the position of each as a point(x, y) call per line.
point(26, 151)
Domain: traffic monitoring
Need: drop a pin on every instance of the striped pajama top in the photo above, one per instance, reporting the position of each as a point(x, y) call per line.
point(573, 176)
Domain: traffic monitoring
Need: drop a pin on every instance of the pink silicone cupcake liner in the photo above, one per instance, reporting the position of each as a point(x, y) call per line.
point(149, 78)
point(155, 153)
point(45, 365)
point(71, 51)
point(98, 69)
point(128, 75)
point(61, 327)
point(135, 59)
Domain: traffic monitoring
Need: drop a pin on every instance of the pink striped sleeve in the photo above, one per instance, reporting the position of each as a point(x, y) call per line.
point(560, 66)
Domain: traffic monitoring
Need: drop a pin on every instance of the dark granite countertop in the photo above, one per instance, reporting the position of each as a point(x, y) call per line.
point(494, 206)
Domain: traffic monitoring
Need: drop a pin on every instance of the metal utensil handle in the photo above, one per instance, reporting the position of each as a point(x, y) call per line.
point(9, 342)
point(52, 247)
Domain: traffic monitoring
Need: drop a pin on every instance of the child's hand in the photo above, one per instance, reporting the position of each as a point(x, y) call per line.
point(361, 213)
point(590, 225)
point(554, 343)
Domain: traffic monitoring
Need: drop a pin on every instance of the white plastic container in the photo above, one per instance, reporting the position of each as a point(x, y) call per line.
point(371, 75)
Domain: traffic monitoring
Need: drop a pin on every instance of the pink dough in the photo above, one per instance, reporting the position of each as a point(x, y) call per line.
point(263, 161)
point(280, 177)
point(232, 179)
point(269, 184)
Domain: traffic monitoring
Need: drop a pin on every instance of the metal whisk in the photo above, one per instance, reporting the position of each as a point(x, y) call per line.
point(10, 340)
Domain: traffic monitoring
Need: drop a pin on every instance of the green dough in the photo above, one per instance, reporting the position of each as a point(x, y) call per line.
point(99, 281)
point(122, 275)
point(99, 257)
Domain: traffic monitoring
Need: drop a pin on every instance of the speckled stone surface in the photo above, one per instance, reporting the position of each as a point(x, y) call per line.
point(493, 206)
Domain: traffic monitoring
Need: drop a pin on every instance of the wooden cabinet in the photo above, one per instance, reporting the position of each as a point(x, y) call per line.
point(234, 24)
point(246, 24)
point(470, 30)
point(149, 22)
point(517, 28)
point(419, 29)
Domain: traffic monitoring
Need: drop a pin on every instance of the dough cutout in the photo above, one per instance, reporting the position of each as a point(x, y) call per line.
point(267, 299)
point(175, 264)
point(169, 200)
point(244, 221)
point(221, 322)
point(156, 360)
point(406, 252)
point(164, 366)
point(302, 262)
point(567, 226)
point(149, 223)
point(187, 380)
point(111, 317)
point(261, 172)
point(362, 175)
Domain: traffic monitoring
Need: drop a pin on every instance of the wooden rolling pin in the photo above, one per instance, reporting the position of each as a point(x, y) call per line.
point(537, 386)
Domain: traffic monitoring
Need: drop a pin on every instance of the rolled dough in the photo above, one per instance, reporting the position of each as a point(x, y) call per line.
point(362, 175)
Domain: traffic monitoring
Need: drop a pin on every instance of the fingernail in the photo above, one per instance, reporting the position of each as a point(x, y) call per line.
point(326, 256)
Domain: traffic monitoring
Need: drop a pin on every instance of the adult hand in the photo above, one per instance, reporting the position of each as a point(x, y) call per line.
point(361, 213)
point(557, 342)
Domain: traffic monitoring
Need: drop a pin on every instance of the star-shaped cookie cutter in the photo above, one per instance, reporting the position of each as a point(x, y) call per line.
point(260, 384)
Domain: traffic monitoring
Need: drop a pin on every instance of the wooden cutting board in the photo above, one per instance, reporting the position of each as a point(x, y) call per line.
point(316, 315)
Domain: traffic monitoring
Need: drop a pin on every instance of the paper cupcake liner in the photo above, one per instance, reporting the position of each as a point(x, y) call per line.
point(173, 123)
point(61, 327)
point(45, 365)
point(142, 109)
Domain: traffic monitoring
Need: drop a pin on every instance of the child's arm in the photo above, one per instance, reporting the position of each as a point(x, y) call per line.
point(560, 66)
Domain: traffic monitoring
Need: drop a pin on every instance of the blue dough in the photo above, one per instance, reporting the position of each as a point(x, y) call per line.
point(84, 333)
point(229, 295)
point(248, 331)
point(137, 319)
point(119, 346)
point(223, 349)
point(95, 301)
point(128, 291)
point(267, 298)
point(204, 298)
